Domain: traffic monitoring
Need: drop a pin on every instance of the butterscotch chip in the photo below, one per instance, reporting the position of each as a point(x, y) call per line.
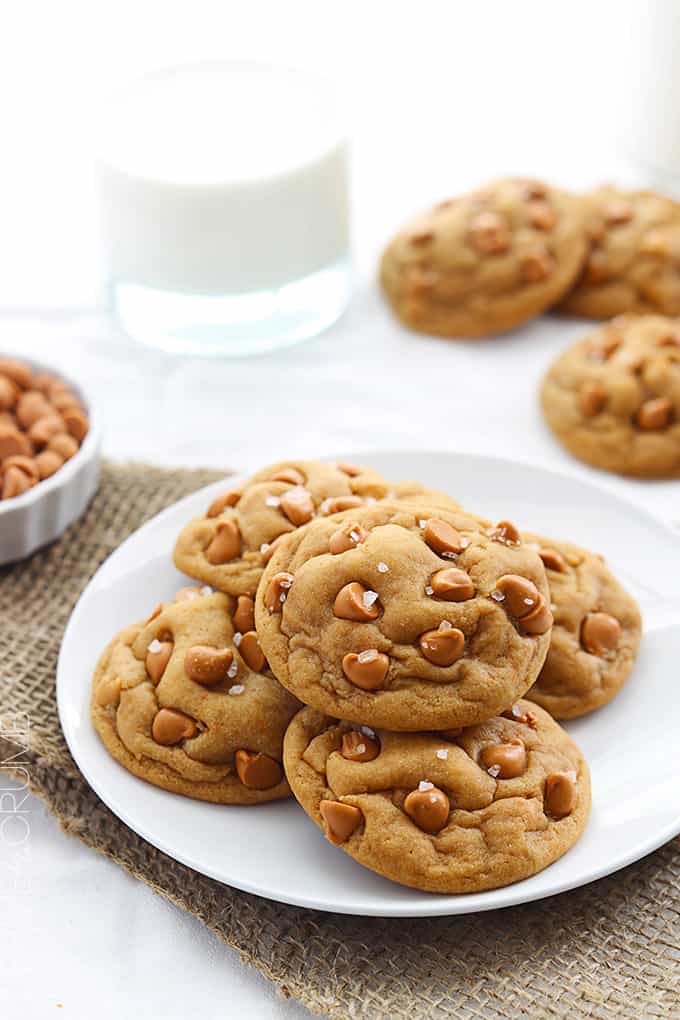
point(474, 809)
point(65, 446)
point(595, 635)
point(277, 590)
point(42, 430)
point(176, 703)
point(541, 215)
point(385, 634)
point(251, 653)
point(31, 407)
point(633, 266)
point(258, 771)
point(505, 761)
point(207, 665)
point(158, 656)
point(490, 233)
point(290, 475)
point(367, 669)
point(340, 503)
point(613, 398)
point(353, 470)
point(17, 371)
point(342, 820)
point(170, 726)
point(298, 505)
point(220, 503)
point(244, 616)
point(452, 585)
point(225, 544)
point(506, 532)
point(26, 464)
point(442, 647)
point(268, 508)
point(357, 746)
point(15, 482)
point(48, 462)
point(600, 633)
point(537, 265)
point(592, 399)
point(553, 560)
point(13, 442)
point(349, 536)
point(9, 393)
point(76, 424)
point(64, 400)
point(561, 794)
point(429, 808)
point(656, 413)
point(497, 258)
point(355, 602)
point(441, 537)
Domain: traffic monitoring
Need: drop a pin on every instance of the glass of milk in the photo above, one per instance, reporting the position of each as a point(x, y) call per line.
point(225, 208)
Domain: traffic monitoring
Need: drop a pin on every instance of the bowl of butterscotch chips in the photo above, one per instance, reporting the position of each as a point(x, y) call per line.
point(49, 455)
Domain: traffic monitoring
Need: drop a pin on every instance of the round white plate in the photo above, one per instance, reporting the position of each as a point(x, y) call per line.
point(274, 850)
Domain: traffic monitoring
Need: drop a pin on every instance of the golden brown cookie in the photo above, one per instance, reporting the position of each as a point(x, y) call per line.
point(613, 398)
point(596, 631)
point(229, 546)
point(448, 813)
point(399, 616)
point(634, 260)
point(487, 261)
point(186, 701)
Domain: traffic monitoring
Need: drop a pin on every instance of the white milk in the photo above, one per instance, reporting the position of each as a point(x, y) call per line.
point(224, 191)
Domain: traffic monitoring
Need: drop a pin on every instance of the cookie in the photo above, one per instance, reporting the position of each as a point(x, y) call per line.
point(229, 546)
point(634, 260)
point(449, 813)
point(596, 631)
point(186, 701)
point(398, 616)
point(487, 261)
point(613, 398)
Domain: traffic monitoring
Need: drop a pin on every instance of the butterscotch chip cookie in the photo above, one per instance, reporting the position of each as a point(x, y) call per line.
point(634, 260)
point(596, 631)
point(229, 546)
point(406, 617)
point(187, 702)
point(487, 261)
point(450, 813)
point(613, 398)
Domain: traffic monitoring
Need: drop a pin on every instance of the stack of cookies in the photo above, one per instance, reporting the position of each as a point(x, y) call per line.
point(369, 649)
point(489, 260)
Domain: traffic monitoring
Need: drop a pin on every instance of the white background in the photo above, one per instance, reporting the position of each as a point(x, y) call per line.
point(441, 95)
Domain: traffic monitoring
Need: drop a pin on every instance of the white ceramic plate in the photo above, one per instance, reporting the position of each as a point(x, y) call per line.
point(274, 850)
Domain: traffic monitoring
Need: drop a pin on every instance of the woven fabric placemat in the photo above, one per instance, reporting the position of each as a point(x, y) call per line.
point(610, 949)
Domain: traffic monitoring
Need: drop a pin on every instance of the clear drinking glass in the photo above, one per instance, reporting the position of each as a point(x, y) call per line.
point(225, 207)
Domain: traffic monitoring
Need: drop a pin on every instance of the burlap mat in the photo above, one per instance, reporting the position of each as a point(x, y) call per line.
point(611, 949)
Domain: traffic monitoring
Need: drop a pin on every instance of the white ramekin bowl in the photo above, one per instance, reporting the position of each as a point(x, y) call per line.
point(41, 514)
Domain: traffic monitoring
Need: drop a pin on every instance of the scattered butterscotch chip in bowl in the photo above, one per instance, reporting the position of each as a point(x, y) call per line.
point(49, 455)
point(43, 425)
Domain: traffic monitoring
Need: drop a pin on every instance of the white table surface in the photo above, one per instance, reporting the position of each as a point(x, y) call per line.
point(461, 93)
